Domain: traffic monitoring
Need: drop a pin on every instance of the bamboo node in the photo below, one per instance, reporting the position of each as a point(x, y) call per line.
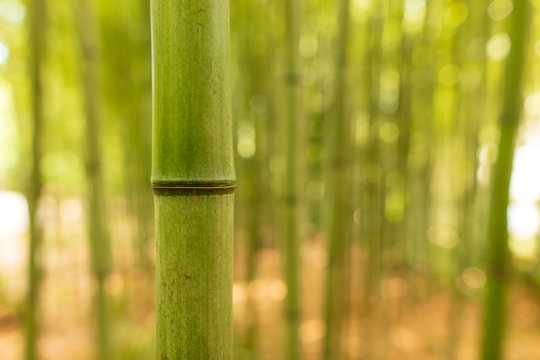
point(192, 188)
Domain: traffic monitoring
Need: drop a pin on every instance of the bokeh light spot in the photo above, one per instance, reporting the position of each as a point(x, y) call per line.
point(498, 47)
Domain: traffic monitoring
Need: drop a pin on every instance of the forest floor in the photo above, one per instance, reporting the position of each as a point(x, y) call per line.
point(403, 325)
point(435, 326)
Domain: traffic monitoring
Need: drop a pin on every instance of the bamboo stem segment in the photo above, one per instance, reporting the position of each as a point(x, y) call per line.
point(193, 178)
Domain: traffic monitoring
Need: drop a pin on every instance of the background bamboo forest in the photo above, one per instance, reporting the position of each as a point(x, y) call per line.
point(387, 155)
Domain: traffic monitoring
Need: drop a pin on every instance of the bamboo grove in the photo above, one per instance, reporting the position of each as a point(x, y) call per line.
point(270, 179)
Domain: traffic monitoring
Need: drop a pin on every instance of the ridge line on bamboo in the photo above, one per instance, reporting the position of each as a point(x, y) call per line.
point(182, 188)
point(193, 184)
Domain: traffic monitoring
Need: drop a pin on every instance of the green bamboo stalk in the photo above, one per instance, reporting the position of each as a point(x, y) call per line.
point(476, 109)
point(144, 203)
point(472, 106)
point(374, 201)
point(137, 142)
point(36, 45)
point(498, 254)
point(127, 59)
point(363, 28)
point(376, 224)
point(404, 119)
point(294, 169)
point(339, 192)
point(100, 252)
point(193, 178)
point(427, 104)
point(138, 160)
point(252, 58)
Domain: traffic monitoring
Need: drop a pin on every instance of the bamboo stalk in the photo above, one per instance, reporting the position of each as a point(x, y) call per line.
point(374, 203)
point(193, 178)
point(98, 236)
point(375, 191)
point(36, 45)
point(293, 200)
point(339, 192)
point(498, 254)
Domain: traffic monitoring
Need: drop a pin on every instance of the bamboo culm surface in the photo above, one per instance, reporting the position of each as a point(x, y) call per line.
point(193, 178)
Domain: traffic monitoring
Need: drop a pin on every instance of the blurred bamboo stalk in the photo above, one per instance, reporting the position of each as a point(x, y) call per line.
point(498, 267)
point(374, 204)
point(100, 251)
point(339, 193)
point(294, 176)
point(37, 46)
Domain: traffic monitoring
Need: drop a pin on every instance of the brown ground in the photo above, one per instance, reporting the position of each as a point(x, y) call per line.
point(409, 326)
